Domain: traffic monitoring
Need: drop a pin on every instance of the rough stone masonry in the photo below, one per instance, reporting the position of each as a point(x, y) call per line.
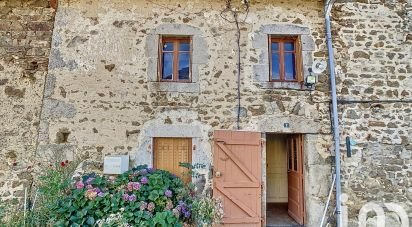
point(81, 81)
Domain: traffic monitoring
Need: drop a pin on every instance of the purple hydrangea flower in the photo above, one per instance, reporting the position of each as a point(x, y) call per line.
point(125, 197)
point(168, 193)
point(150, 170)
point(187, 214)
point(132, 198)
point(79, 185)
point(179, 208)
point(144, 180)
point(143, 171)
point(184, 210)
point(100, 194)
point(89, 180)
point(136, 185)
point(97, 190)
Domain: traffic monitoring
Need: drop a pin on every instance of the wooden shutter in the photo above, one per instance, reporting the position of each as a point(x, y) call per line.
point(169, 152)
point(237, 176)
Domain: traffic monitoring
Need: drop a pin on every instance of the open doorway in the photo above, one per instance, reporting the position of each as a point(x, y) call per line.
point(284, 171)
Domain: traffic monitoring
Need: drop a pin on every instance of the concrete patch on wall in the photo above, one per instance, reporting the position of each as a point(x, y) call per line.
point(53, 109)
point(285, 124)
point(142, 154)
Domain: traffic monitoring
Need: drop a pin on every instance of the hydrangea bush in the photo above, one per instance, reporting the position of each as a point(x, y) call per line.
point(139, 197)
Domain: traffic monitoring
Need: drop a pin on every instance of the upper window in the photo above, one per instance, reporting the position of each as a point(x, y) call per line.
point(175, 59)
point(285, 59)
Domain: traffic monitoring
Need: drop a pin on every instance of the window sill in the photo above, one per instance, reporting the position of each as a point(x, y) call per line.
point(280, 85)
point(175, 87)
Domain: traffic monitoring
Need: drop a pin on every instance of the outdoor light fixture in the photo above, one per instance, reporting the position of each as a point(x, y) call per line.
point(318, 67)
point(310, 79)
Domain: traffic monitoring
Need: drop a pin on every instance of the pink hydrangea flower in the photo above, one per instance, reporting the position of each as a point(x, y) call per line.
point(169, 205)
point(90, 194)
point(129, 186)
point(125, 197)
point(150, 206)
point(79, 185)
point(143, 205)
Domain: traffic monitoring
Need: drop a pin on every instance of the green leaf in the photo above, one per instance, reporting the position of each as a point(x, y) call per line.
point(90, 220)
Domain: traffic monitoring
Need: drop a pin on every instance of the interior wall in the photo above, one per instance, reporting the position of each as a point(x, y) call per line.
point(276, 169)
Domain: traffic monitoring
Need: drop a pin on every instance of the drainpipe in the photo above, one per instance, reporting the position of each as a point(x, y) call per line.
point(328, 8)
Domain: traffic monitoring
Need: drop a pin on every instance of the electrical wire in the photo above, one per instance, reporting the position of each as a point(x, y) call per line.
point(236, 21)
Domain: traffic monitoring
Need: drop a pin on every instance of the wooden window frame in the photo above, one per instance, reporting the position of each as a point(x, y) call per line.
point(175, 40)
point(298, 57)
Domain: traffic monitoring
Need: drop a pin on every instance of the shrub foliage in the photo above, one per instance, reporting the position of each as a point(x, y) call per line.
point(139, 197)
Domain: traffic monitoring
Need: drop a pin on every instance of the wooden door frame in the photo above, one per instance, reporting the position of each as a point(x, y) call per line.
point(264, 174)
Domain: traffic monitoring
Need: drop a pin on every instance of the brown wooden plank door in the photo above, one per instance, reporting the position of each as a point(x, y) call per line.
point(169, 152)
point(295, 178)
point(237, 176)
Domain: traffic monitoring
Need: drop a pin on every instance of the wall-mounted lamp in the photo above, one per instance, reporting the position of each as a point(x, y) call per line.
point(310, 79)
point(318, 67)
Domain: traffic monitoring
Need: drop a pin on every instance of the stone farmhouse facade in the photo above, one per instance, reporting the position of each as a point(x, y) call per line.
point(85, 78)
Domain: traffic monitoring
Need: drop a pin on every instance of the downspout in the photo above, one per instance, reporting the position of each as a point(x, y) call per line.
point(328, 8)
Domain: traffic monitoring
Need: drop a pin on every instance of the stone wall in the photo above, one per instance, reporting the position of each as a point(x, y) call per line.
point(99, 96)
point(100, 91)
point(25, 37)
point(373, 41)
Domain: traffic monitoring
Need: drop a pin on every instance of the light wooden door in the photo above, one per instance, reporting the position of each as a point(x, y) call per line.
point(276, 170)
point(295, 178)
point(170, 152)
point(237, 176)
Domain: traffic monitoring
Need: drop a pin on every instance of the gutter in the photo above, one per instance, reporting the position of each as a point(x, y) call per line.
point(328, 9)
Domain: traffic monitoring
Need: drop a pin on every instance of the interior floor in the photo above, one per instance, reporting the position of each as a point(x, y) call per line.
point(277, 216)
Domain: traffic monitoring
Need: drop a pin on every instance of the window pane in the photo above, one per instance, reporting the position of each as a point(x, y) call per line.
point(275, 46)
point(184, 46)
point(167, 46)
point(289, 46)
point(184, 66)
point(167, 66)
point(290, 72)
point(275, 67)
